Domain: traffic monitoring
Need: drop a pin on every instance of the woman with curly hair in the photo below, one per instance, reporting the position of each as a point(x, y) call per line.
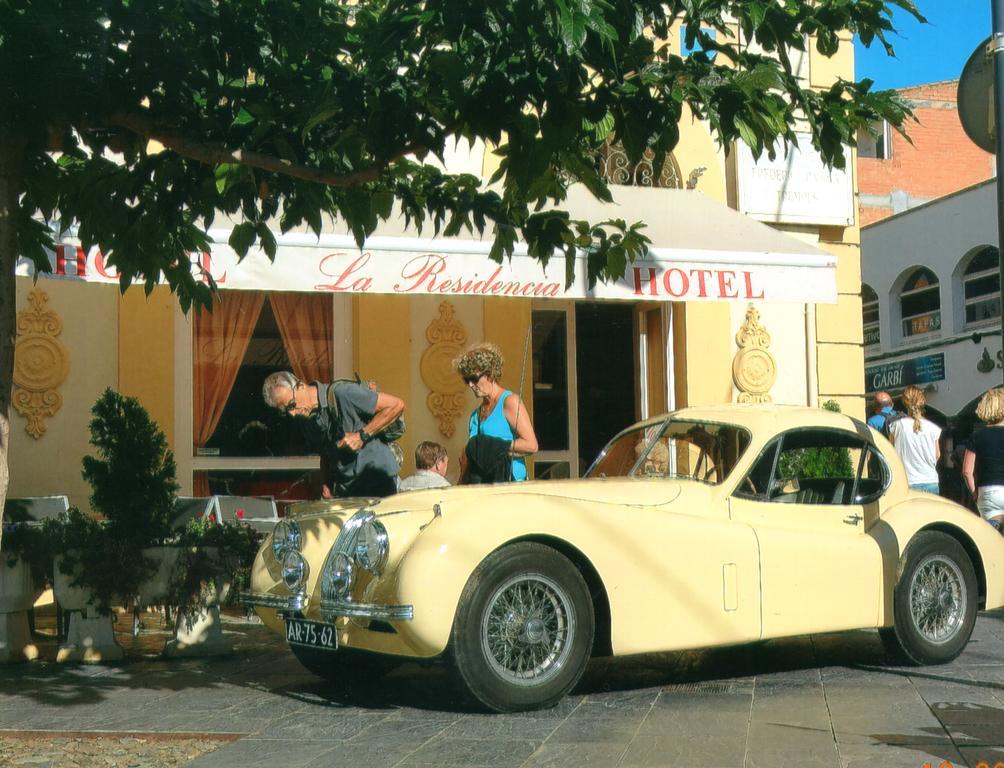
point(917, 442)
point(983, 461)
point(500, 425)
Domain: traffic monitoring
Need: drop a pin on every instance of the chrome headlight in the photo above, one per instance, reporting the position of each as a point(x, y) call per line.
point(285, 535)
point(372, 546)
point(338, 575)
point(294, 570)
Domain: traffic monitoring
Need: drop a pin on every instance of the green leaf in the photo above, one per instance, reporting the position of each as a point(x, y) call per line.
point(242, 237)
point(243, 117)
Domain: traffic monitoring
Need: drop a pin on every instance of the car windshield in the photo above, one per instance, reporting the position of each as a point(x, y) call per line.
point(693, 450)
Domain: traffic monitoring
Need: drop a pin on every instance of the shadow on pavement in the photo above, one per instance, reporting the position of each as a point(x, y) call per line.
point(263, 664)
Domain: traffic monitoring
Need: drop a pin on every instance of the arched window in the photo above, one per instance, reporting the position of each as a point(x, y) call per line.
point(870, 315)
point(981, 287)
point(920, 303)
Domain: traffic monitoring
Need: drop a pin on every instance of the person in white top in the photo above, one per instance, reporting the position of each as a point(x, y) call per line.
point(431, 462)
point(917, 442)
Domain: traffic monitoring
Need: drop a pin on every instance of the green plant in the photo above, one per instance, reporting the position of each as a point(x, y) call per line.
point(211, 553)
point(111, 567)
point(817, 462)
point(29, 543)
point(133, 475)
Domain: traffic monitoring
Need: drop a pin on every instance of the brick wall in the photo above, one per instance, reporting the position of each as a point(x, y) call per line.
point(941, 159)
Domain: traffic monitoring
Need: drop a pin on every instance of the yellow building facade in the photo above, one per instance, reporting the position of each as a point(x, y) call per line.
point(586, 365)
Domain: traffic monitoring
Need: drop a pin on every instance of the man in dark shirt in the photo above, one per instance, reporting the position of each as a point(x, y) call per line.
point(342, 425)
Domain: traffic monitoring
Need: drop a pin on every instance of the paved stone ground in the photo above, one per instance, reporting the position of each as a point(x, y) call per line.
point(826, 700)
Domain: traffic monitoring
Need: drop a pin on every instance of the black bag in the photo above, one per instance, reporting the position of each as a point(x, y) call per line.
point(488, 461)
point(393, 431)
point(889, 420)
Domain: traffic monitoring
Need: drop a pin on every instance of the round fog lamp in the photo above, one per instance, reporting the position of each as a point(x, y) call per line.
point(285, 535)
point(294, 570)
point(372, 546)
point(279, 539)
point(338, 577)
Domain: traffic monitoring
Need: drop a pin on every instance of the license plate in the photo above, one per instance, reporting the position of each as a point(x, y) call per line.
point(312, 634)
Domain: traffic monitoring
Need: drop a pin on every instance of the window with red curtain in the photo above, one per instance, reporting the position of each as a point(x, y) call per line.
point(249, 335)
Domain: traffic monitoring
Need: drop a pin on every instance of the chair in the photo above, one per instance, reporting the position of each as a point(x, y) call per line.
point(188, 508)
point(34, 508)
point(257, 511)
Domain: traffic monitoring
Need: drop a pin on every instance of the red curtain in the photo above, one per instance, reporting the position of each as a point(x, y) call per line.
point(305, 324)
point(220, 342)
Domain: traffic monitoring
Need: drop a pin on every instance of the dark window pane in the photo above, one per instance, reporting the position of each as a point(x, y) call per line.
point(870, 315)
point(981, 286)
point(919, 303)
point(983, 310)
point(550, 380)
point(247, 426)
point(985, 259)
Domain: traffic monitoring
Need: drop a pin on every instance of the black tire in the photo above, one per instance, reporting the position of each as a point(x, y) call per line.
point(934, 602)
point(541, 646)
point(344, 666)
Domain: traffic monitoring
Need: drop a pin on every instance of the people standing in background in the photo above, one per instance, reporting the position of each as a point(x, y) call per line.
point(882, 411)
point(499, 431)
point(431, 463)
point(917, 441)
point(983, 462)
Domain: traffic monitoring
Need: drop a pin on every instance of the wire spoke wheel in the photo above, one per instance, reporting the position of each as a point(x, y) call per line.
point(934, 601)
point(526, 629)
point(938, 599)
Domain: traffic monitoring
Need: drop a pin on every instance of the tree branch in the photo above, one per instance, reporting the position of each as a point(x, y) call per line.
point(215, 154)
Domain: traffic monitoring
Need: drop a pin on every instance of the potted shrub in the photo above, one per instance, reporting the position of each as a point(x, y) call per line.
point(131, 556)
point(214, 561)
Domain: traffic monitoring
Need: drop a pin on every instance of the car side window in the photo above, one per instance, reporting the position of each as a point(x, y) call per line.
point(873, 477)
point(812, 466)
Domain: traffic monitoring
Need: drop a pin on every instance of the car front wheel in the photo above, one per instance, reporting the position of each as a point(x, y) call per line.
point(523, 630)
point(934, 602)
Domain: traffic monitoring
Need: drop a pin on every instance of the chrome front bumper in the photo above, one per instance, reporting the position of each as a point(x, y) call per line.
point(330, 609)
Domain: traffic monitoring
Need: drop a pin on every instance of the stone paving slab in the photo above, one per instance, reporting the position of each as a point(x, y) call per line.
point(830, 701)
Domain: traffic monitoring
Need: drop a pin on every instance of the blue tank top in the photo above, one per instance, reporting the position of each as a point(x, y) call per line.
point(496, 425)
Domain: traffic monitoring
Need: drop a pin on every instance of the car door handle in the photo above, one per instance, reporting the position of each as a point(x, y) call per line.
point(853, 519)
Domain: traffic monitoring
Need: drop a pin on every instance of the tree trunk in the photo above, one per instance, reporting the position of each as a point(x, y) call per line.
point(11, 152)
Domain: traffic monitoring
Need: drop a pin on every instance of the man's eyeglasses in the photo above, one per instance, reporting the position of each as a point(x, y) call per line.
point(474, 378)
point(291, 405)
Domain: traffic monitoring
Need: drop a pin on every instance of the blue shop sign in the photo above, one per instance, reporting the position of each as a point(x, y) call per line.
point(917, 370)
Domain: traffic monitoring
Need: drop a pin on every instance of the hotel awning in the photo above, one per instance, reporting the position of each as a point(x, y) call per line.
point(701, 251)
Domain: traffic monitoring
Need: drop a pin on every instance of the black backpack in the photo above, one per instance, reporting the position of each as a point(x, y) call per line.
point(890, 419)
point(390, 433)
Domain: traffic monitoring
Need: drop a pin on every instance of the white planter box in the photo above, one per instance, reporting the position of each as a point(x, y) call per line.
point(18, 593)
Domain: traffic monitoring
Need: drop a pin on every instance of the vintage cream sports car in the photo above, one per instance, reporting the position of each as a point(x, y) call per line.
point(707, 526)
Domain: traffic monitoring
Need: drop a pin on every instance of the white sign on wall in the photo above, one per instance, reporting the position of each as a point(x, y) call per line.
point(411, 266)
point(795, 187)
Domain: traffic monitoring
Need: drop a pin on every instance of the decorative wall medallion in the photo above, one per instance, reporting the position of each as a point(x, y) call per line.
point(754, 370)
point(41, 363)
point(446, 337)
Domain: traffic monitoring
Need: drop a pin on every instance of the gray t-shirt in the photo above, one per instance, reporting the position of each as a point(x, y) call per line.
point(370, 472)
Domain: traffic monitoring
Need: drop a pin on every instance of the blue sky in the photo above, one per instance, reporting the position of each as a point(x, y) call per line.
point(927, 53)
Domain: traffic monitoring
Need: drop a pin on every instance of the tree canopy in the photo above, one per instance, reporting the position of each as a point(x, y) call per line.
point(304, 109)
point(297, 110)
